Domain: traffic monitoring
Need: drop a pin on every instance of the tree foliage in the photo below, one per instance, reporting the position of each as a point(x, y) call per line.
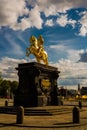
point(0, 78)
point(7, 87)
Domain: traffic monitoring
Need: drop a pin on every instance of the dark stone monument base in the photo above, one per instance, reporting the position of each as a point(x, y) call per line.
point(25, 101)
point(35, 82)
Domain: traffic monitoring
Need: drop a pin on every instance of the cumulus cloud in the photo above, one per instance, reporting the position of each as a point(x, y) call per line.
point(73, 55)
point(23, 14)
point(49, 22)
point(50, 7)
point(34, 20)
point(83, 23)
point(35, 17)
point(7, 67)
point(11, 10)
point(58, 47)
point(63, 21)
point(71, 73)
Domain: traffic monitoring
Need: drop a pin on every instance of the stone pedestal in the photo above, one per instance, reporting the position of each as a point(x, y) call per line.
point(36, 80)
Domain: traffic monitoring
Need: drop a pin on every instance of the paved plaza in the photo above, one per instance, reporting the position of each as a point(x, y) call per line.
point(62, 119)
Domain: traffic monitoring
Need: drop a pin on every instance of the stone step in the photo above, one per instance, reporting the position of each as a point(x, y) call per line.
point(37, 111)
point(28, 111)
point(60, 111)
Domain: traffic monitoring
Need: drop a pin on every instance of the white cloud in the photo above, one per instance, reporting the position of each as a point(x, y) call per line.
point(62, 5)
point(52, 7)
point(73, 55)
point(50, 10)
point(83, 22)
point(11, 10)
point(34, 20)
point(49, 22)
point(63, 21)
point(58, 47)
point(74, 70)
point(21, 26)
point(81, 13)
point(7, 67)
point(35, 17)
point(71, 73)
point(72, 22)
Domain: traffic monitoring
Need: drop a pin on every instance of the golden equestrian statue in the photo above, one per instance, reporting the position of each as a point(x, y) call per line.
point(37, 49)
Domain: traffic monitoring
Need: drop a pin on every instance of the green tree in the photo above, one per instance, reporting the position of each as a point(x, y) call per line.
point(5, 87)
point(14, 86)
point(0, 78)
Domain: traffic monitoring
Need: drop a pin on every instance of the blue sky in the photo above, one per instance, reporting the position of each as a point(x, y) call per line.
point(63, 25)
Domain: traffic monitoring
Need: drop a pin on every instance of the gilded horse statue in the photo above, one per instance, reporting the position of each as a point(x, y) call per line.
point(36, 48)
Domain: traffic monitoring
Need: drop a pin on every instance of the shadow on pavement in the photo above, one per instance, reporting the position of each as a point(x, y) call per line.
point(57, 125)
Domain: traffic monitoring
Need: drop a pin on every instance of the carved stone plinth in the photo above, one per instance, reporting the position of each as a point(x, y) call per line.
point(36, 80)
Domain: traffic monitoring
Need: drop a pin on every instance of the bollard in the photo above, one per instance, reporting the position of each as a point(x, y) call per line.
point(80, 104)
point(20, 115)
point(6, 103)
point(76, 115)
